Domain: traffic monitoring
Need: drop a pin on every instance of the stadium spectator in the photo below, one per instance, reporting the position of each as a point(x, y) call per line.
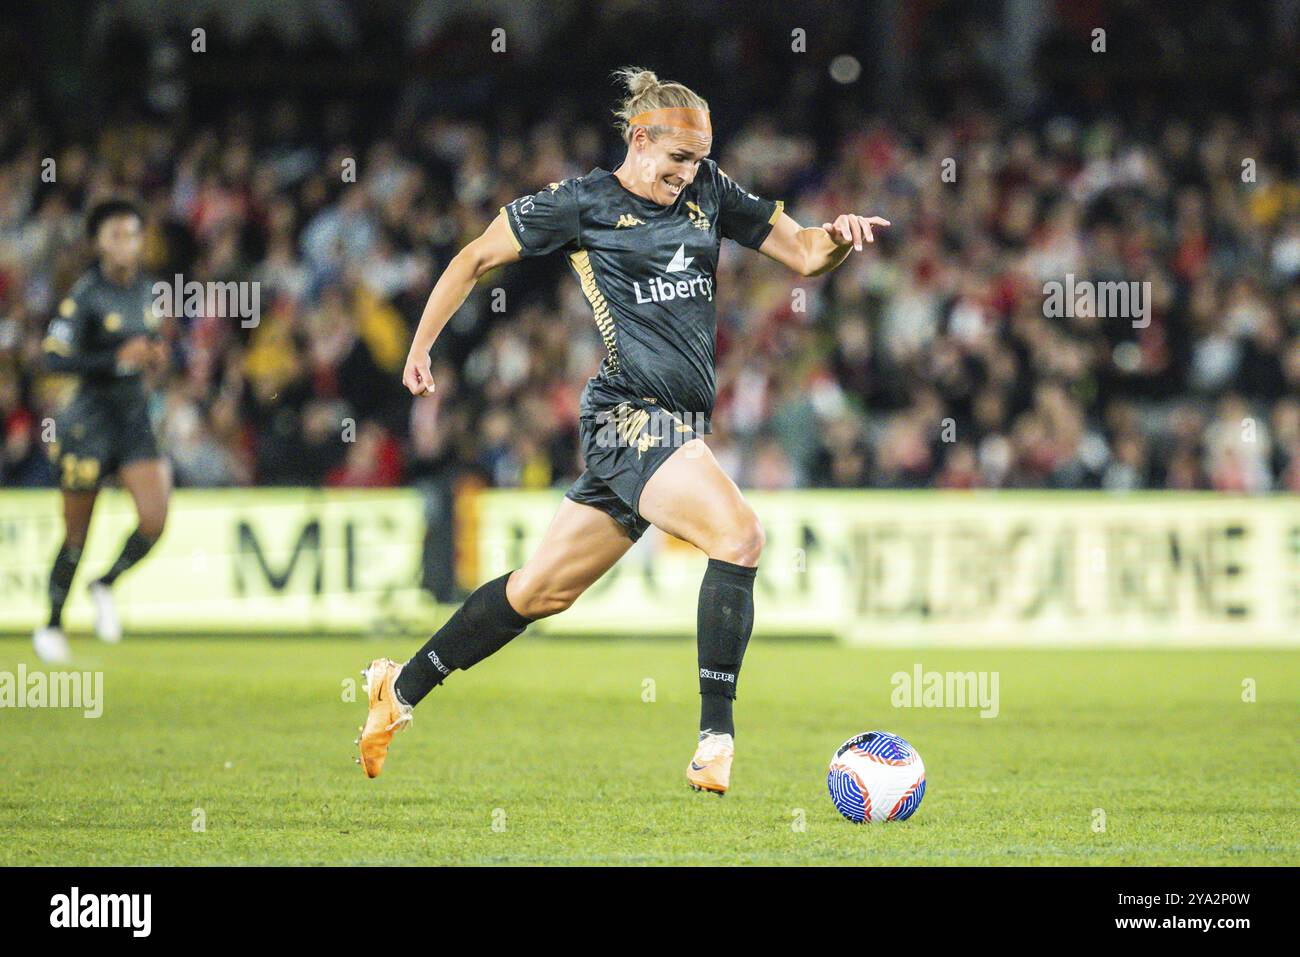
point(931, 360)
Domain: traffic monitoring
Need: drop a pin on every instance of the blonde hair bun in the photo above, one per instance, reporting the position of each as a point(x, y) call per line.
point(645, 92)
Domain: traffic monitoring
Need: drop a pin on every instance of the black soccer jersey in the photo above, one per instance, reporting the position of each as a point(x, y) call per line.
point(94, 320)
point(648, 272)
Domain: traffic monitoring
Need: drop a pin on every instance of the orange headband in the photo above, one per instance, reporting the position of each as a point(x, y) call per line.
point(678, 117)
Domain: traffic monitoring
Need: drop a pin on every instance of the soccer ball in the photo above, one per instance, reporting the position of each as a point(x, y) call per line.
point(876, 776)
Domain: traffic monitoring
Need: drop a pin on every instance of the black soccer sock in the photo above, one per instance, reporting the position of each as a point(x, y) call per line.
point(136, 547)
point(480, 627)
point(65, 567)
point(726, 617)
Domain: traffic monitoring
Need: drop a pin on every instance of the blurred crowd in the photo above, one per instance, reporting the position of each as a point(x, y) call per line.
point(928, 360)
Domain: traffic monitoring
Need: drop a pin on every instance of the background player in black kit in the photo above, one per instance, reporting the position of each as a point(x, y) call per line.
point(106, 333)
point(643, 243)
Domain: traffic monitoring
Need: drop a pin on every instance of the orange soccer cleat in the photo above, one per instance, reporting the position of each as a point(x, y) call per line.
point(387, 715)
point(710, 769)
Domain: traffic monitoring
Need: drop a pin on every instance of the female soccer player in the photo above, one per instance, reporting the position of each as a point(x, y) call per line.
point(643, 242)
point(106, 333)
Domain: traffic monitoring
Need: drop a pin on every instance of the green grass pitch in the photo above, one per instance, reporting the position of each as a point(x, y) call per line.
point(548, 753)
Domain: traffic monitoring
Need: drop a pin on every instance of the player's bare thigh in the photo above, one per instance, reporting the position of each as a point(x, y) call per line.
point(581, 544)
point(691, 498)
point(78, 508)
point(149, 482)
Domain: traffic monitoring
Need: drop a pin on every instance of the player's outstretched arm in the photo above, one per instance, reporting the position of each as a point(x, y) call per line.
point(814, 250)
point(496, 247)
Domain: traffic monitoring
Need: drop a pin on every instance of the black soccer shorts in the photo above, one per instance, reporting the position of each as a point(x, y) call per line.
point(95, 438)
point(623, 447)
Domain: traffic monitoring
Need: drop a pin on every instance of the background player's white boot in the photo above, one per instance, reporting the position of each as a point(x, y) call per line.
point(51, 645)
point(107, 627)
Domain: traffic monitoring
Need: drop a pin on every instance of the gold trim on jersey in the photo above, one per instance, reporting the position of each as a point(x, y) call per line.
point(581, 263)
point(776, 213)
